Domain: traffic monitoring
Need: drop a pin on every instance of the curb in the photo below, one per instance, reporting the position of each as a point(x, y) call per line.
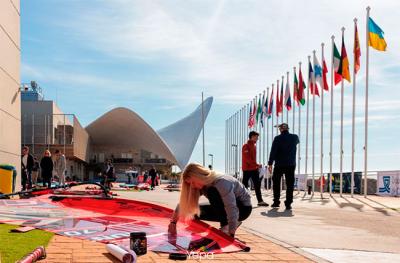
point(295, 249)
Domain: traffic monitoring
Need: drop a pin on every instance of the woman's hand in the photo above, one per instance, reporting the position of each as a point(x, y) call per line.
point(172, 228)
point(172, 233)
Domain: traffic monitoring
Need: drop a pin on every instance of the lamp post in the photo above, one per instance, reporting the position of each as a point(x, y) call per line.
point(212, 161)
point(236, 159)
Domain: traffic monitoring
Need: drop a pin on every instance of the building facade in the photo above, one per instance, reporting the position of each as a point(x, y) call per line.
point(45, 126)
point(10, 107)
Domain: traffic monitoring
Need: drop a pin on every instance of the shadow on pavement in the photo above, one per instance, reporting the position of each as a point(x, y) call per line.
point(348, 204)
point(275, 213)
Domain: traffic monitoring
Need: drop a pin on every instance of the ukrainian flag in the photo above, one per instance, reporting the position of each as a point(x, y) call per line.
point(376, 39)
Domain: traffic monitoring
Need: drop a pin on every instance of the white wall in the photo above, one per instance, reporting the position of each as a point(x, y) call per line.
point(10, 103)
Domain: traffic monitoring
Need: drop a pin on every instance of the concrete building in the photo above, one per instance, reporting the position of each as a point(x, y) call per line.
point(10, 107)
point(45, 126)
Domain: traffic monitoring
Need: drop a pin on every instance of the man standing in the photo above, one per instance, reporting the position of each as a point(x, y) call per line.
point(250, 166)
point(59, 166)
point(283, 153)
point(153, 176)
point(27, 164)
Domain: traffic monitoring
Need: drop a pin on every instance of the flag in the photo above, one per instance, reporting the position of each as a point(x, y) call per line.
point(249, 120)
point(281, 98)
point(324, 72)
point(295, 88)
point(336, 63)
point(288, 100)
point(251, 116)
point(311, 78)
point(266, 108)
point(344, 63)
point(356, 51)
point(317, 74)
point(258, 109)
point(278, 109)
point(302, 86)
point(254, 111)
point(375, 36)
point(262, 110)
point(271, 104)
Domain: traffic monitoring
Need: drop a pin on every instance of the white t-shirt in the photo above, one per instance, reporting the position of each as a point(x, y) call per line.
point(25, 160)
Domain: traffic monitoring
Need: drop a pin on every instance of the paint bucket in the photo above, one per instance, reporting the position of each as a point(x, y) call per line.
point(138, 243)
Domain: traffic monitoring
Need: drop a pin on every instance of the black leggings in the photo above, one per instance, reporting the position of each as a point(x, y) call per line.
point(215, 211)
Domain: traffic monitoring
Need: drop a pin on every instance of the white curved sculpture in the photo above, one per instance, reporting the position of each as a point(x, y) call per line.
point(123, 127)
point(181, 137)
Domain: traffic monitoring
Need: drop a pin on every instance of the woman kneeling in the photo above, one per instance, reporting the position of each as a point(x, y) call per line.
point(230, 202)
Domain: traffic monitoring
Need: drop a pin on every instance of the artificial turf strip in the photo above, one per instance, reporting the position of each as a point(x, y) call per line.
point(13, 246)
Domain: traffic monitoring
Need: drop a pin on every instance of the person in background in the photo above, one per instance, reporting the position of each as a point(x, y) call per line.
point(59, 166)
point(35, 171)
point(46, 167)
point(109, 174)
point(230, 201)
point(27, 164)
point(283, 154)
point(153, 176)
point(145, 176)
point(250, 166)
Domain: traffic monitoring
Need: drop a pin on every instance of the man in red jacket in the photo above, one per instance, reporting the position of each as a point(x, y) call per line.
point(250, 166)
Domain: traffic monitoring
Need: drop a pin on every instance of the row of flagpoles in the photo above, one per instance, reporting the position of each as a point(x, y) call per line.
point(257, 114)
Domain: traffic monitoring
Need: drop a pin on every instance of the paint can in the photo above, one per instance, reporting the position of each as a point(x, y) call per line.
point(138, 243)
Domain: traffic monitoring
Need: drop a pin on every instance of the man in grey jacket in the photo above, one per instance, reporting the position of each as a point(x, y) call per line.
point(59, 166)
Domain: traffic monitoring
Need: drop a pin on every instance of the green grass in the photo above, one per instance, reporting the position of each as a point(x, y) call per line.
point(13, 246)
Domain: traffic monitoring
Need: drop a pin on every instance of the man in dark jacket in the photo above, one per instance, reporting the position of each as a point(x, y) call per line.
point(283, 153)
point(27, 164)
point(250, 166)
point(153, 176)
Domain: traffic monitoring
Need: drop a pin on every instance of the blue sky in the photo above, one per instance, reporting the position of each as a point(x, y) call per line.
point(156, 57)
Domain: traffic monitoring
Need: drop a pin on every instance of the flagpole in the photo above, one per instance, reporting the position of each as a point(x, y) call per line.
point(226, 143)
point(282, 99)
point(202, 119)
point(259, 129)
point(298, 148)
point(287, 83)
point(308, 98)
point(354, 115)
point(322, 122)
point(272, 121)
point(366, 111)
point(228, 146)
point(294, 102)
point(240, 139)
point(331, 131)
point(277, 110)
point(341, 128)
point(266, 122)
point(313, 136)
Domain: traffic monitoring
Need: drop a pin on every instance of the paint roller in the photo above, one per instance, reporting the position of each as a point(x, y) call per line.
point(37, 254)
point(123, 254)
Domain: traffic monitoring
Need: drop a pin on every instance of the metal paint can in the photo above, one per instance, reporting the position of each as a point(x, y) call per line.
point(138, 242)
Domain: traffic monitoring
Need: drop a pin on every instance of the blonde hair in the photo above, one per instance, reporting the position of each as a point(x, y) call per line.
point(47, 151)
point(189, 200)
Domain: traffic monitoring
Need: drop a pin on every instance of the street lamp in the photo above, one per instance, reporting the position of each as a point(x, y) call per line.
point(236, 158)
point(212, 160)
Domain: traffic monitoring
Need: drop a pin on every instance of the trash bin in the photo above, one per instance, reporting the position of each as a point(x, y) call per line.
point(8, 174)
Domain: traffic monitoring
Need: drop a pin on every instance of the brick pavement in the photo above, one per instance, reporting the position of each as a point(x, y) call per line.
point(66, 250)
